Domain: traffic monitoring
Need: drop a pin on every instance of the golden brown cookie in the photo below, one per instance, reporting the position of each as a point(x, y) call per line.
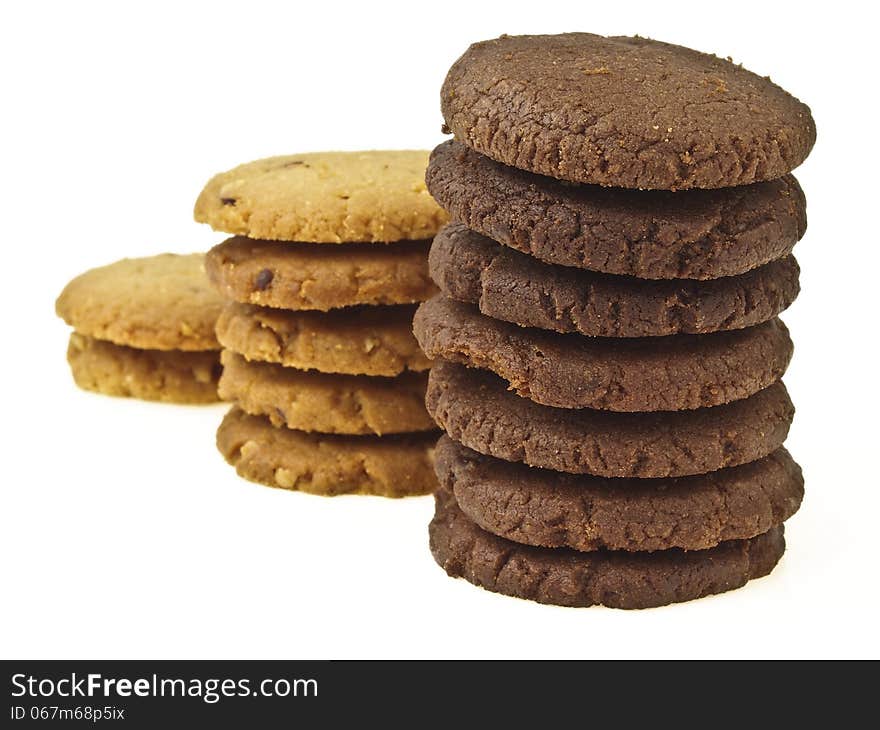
point(170, 376)
point(325, 197)
point(301, 276)
point(324, 402)
point(161, 302)
point(354, 341)
point(390, 466)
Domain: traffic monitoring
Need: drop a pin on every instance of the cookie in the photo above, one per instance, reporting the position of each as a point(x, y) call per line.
point(390, 466)
point(607, 578)
point(638, 374)
point(513, 287)
point(170, 376)
point(586, 513)
point(475, 408)
point(623, 112)
point(161, 302)
point(354, 341)
point(301, 276)
point(324, 402)
point(324, 197)
point(701, 234)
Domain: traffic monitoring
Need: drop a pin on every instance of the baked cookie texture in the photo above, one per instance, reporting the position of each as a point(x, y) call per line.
point(326, 402)
point(700, 234)
point(325, 464)
point(514, 287)
point(608, 578)
point(544, 508)
point(319, 356)
point(303, 276)
point(162, 302)
point(354, 341)
point(570, 371)
point(607, 354)
point(324, 197)
point(475, 408)
point(624, 112)
point(169, 376)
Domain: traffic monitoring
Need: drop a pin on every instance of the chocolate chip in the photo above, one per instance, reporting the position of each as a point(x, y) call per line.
point(293, 163)
point(263, 279)
point(228, 201)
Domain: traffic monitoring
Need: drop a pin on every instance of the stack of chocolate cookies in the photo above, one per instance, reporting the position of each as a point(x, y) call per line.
point(328, 258)
point(607, 348)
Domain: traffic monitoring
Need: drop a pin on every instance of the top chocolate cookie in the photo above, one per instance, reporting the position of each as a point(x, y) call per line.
point(324, 197)
point(624, 112)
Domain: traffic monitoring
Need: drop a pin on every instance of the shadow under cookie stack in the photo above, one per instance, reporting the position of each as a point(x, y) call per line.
point(328, 258)
point(607, 348)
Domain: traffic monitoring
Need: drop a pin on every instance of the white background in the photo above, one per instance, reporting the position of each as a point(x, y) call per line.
point(123, 534)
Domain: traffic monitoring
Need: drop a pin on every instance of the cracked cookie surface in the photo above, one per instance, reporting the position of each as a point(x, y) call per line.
point(324, 197)
point(699, 234)
point(326, 464)
point(678, 372)
point(162, 302)
point(623, 111)
point(546, 508)
point(302, 276)
point(475, 408)
point(609, 578)
point(355, 341)
point(514, 287)
point(326, 402)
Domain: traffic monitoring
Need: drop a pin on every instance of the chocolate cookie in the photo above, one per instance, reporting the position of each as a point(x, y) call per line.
point(671, 373)
point(549, 509)
point(476, 409)
point(324, 197)
point(701, 234)
point(355, 340)
point(389, 466)
point(325, 402)
point(168, 376)
point(303, 276)
point(608, 578)
point(160, 302)
point(511, 286)
point(624, 112)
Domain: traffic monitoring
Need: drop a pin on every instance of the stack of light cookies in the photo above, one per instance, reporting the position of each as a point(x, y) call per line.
point(144, 328)
point(327, 262)
point(608, 353)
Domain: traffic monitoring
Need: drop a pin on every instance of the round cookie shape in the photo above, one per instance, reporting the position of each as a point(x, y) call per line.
point(160, 302)
point(700, 234)
point(475, 408)
point(301, 276)
point(328, 465)
point(354, 341)
point(325, 402)
point(324, 197)
point(678, 372)
point(623, 112)
point(514, 287)
point(608, 578)
point(167, 376)
point(545, 508)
